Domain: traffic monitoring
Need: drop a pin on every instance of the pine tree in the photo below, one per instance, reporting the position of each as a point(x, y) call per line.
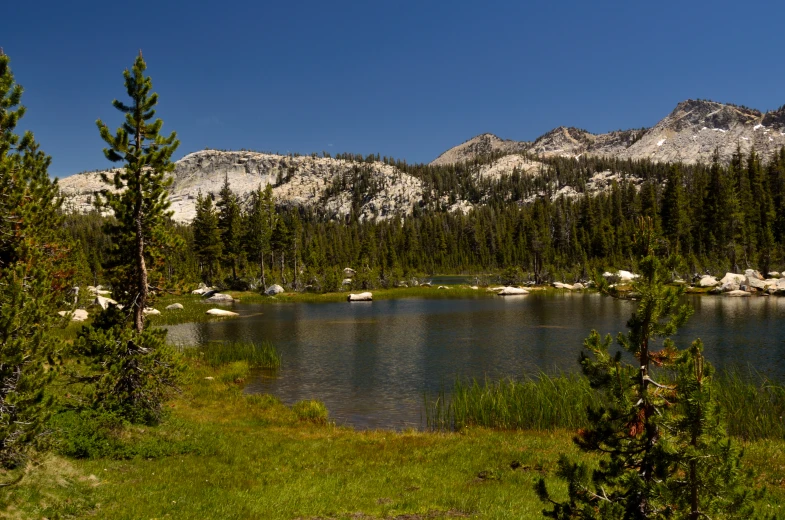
point(207, 242)
point(259, 226)
point(636, 426)
point(130, 370)
point(33, 275)
point(229, 224)
point(674, 216)
point(141, 207)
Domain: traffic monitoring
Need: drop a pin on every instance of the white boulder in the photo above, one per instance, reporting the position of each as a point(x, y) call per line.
point(774, 274)
point(732, 278)
point(348, 272)
point(361, 297)
point(77, 315)
point(149, 311)
point(577, 286)
point(220, 298)
point(221, 312)
point(512, 291)
point(626, 276)
point(730, 286)
point(103, 302)
point(273, 290)
point(755, 283)
point(752, 273)
point(346, 281)
point(174, 307)
point(708, 281)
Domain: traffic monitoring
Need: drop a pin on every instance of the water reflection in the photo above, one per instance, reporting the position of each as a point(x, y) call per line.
point(371, 362)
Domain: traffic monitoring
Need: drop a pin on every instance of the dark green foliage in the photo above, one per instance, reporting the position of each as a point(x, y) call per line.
point(229, 225)
point(650, 432)
point(34, 276)
point(139, 236)
point(124, 372)
point(259, 225)
point(88, 434)
point(207, 243)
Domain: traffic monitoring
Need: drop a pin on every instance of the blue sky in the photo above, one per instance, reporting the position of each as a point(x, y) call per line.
point(404, 79)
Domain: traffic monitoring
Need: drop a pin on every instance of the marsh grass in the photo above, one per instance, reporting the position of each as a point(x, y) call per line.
point(454, 292)
point(216, 353)
point(753, 406)
point(539, 403)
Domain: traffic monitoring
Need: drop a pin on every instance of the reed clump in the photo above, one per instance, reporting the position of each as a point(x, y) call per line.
point(753, 406)
point(215, 353)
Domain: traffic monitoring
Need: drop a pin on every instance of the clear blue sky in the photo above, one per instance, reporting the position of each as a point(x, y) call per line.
point(406, 79)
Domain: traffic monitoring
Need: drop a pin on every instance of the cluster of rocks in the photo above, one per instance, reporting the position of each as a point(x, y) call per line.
point(747, 284)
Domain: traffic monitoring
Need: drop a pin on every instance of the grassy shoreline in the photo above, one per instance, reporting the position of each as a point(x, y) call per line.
point(233, 455)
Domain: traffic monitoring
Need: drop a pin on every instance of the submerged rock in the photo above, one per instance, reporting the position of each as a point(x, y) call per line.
point(361, 297)
point(737, 293)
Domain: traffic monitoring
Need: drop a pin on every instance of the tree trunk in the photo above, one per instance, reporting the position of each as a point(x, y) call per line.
point(261, 261)
point(141, 281)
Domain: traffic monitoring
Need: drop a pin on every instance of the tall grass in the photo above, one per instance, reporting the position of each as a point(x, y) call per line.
point(540, 403)
point(753, 406)
point(216, 353)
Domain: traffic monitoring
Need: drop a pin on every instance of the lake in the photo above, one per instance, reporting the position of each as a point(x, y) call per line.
point(372, 362)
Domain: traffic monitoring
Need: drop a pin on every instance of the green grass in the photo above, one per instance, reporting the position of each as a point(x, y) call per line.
point(239, 456)
point(454, 292)
point(215, 353)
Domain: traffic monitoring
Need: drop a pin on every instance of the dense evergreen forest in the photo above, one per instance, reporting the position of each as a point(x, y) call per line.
point(718, 217)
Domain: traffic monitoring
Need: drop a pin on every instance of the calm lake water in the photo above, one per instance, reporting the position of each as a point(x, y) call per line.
point(372, 362)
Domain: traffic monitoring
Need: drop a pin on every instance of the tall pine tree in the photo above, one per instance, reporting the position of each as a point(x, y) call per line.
point(141, 207)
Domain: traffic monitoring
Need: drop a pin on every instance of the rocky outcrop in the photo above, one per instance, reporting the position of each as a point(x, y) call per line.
point(325, 184)
point(479, 146)
point(690, 133)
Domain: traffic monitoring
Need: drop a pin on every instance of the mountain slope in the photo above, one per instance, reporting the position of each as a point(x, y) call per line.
point(327, 185)
point(690, 134)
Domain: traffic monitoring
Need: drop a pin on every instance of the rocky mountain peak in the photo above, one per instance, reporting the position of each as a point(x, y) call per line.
point(480, 145)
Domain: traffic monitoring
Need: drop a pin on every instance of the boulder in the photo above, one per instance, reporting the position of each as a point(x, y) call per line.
point(755, 283)
point(577, 286)
point(220, 298)
point(606, 274)
point(732, 278)
point(474, 287)
point(361, 297)
point(512, 291)
point(348, 272)
point(774, 274)
point(209, 292)
point(730, 286)
point(425, 284)
point(346, 281)
point(737, 293)
point(221, 312)
point(273, 290)
point(626, 276)
point(708, 281)
point(560, 285)
point(752, 273)
point(174, 307)
point(442, 287)
point(202, 289)
point(103, 302)
point(149, 311)
point(77, 315)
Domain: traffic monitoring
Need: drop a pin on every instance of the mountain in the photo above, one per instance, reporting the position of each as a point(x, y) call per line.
point(330, 186)
point(690, 133)
point(483, 144)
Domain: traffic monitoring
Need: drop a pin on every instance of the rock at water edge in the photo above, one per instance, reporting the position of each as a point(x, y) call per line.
point(361, 297)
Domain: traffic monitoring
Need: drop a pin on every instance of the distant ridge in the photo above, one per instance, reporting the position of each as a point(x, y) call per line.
point(690, 133)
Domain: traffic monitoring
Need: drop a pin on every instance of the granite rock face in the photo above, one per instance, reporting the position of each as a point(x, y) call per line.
point(690, 134)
